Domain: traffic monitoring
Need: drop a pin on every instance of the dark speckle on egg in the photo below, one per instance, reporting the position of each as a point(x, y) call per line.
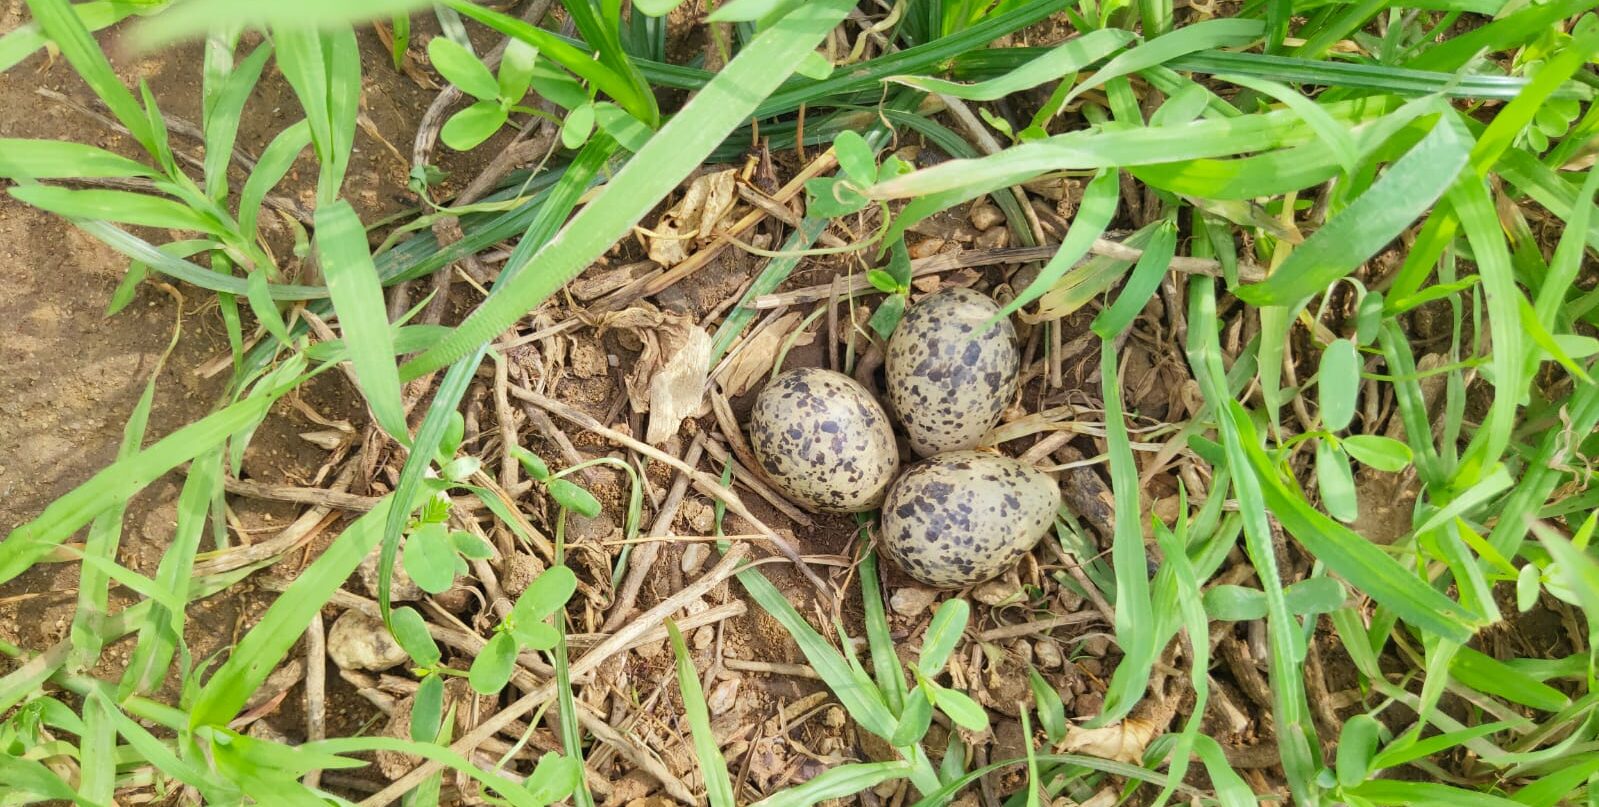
point(963, 517)
point(950, 378)
point(824, 440)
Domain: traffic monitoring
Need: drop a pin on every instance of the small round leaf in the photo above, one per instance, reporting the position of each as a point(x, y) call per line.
point(1339, 384)
point(855, 157)
point(471, 546)
point(459, 67)
point(554, 778)
point(535, 635)
point(411, 632)
point(960, 708)
point(574, 498)
point(1376, 451)
point(471, 126)
point(429, 558)
point(1336, 481)
point(493, 665)
point(427, 711)
point(577, 127)
point(531, 463)
point(547, 594)
point(516, 69)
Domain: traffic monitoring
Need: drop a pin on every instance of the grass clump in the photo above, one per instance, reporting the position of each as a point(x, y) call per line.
point(1261, 201)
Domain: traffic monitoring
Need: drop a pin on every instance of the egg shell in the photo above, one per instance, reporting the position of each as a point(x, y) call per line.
point(949, 377)
point(824, 440)
point(964, 517)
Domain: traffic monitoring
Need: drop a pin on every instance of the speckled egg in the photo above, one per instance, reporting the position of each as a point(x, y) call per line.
point(949, 378)
point(824, 440)
point(963, 517)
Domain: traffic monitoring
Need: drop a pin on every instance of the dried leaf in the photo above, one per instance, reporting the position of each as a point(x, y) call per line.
point(694, 219)
point(678, 390)
point(1124, 741)
point(754, 359)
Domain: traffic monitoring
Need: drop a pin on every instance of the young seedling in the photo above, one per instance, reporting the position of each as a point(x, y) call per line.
point(435, 554)
point(497, 96)
point(525, 627)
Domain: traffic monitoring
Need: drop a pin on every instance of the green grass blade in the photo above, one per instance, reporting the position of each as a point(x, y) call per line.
point(58, 21)
point(886, 668)
point(1205, 35)
point(653, 173)
point(1331, 132)
point(1474, 206)
point(105, 534)
point(60, 159)
point(120, 206)
point(1295, 733)
point(260, 651)
point(162, 630)
point(1101, 197)
point(96, 760)
point(196, 17)
point(221, 124)
point(1406, 190)
point(1141, 285)
point(276, 160)
point(358, 298)
point(836, 783)
point(1135, 618)
point(713, 766)
point(30, 542)
point(1068, 57)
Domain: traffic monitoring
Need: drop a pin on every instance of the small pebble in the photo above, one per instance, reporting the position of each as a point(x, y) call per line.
point(359, 642)
point(925, 247)
point(703, 637)
point(1048, 655)
point(520, 570)
point(1097, 645)
point(1088, 704)
point(700, 516)
point(996, 238)
point(985, 216)
point(834, 717)
point(722, 697)
point(1022, 650)
point(694, 557)
point(401, 588)
point(995, 593)
point(911, 600)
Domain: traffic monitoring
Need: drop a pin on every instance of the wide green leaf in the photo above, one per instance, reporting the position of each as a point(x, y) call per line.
point(363, 318)
point(461, 68)
point(1405, 191)
point(61, 159)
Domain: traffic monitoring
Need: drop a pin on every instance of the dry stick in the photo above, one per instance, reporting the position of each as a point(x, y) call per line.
point(643, 558)
point(706, 483)
point(302, 529)
point(1040, 626)
point(986, 144)
point(325, 499)
point(745, 475)
point(699, 259)
point(631, 750)
point(730, 563)
point(772, 668)
point(316, 672)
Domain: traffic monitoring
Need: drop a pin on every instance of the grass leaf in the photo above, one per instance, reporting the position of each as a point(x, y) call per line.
point(713, 766)
point(1356, 233)
point(654, 172)
point(358, 298)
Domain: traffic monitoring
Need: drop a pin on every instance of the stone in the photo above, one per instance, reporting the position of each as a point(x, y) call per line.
point(694, 556)
point(359, 642)
point(911, 600)
point(985, 216)
point(722, 697)
point(401, 588)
